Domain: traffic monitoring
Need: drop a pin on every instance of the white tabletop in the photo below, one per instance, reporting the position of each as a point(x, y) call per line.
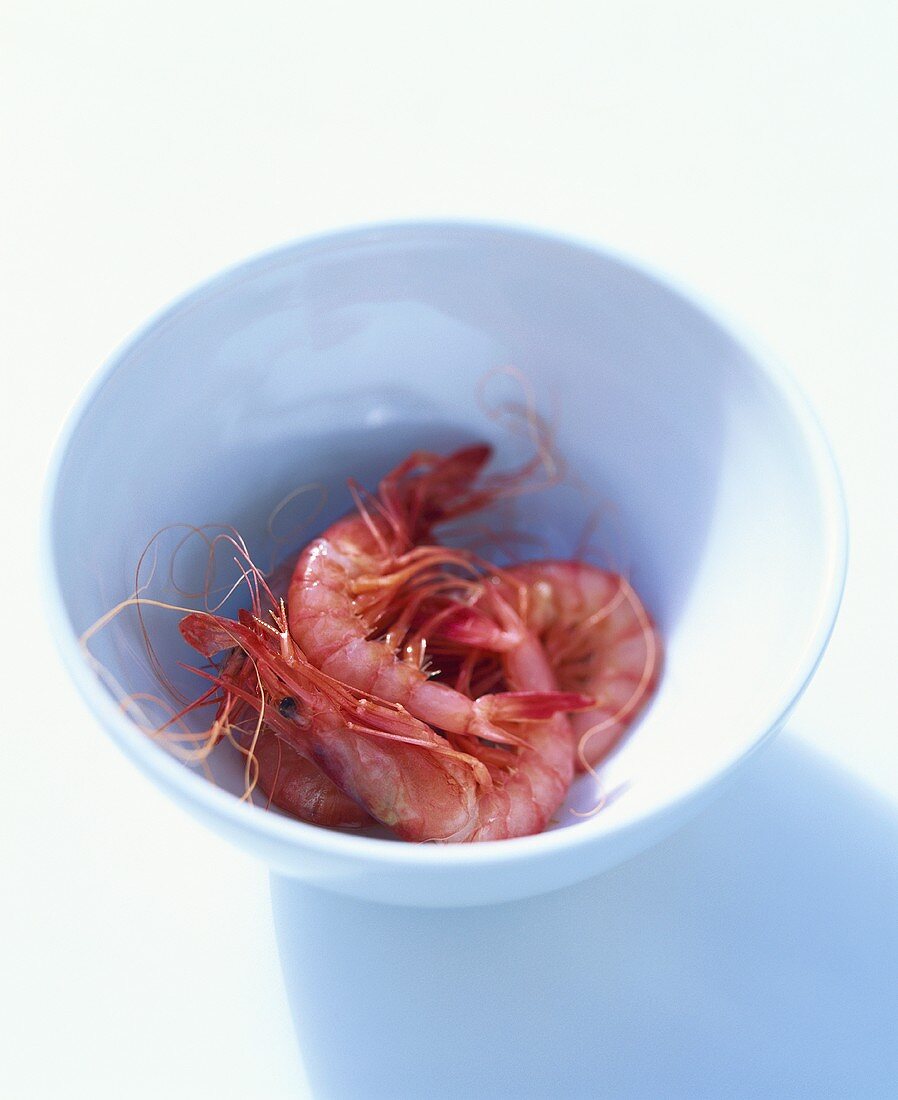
point(750, 150)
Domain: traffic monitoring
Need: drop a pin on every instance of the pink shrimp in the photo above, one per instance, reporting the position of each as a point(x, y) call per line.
point(538, 785)
point(599, 639)
point(396, 767)
point(345, 577)
point(290, 780)
point(298, 786)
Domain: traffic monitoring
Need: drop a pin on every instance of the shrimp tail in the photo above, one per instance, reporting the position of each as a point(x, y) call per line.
point(531, 706)
point(467, 626)
point(206, 634)
point(453, 475)
point(427, 489)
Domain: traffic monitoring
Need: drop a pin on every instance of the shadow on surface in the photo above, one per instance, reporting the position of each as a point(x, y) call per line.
point(752, 955)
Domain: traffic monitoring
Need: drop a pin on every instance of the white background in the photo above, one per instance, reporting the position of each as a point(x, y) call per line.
point(748, 149)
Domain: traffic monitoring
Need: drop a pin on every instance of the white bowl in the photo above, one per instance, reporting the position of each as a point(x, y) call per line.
point(338, 355)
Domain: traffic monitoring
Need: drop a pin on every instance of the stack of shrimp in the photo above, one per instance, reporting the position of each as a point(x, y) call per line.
point(401, 681)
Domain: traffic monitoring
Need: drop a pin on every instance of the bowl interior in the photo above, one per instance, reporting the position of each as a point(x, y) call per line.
point(336, 358)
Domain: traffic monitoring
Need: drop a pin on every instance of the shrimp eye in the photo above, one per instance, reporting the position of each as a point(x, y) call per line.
point(287, 707)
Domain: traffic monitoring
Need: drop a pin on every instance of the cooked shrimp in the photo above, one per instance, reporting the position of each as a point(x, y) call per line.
point(301, 788)
point(539, 781)
point(597, 637)
point(599, 640)
point(344, 578)
point(393, 765)
point(290, 780)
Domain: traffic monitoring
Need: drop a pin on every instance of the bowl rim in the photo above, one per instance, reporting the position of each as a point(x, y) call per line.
point(192, 789)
